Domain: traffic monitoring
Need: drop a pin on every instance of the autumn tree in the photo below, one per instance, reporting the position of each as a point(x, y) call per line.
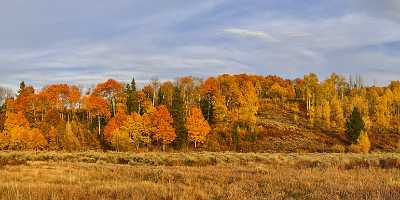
point(137, 129)
point(121, 141)
point(362, 144)
point(70, 141)
point(337, 114)
point(248, 108)
point(97, 107)
point(163, 126)
point(18, 135)
point(114, 123)
point(190, 89)
point(325, 113)
point(52, 138)
point(110, 90)
point(310, 88)
point(220, 110)
point(209, 92)
point(165, 94)
point(382, 112)
point(197, 126)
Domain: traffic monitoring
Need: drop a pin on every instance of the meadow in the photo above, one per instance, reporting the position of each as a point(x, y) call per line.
point(202, 175)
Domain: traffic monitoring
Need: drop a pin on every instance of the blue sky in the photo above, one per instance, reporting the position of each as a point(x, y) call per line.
point(87, 41)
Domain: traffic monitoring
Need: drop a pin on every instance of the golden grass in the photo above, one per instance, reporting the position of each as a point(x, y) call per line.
point(94, 175)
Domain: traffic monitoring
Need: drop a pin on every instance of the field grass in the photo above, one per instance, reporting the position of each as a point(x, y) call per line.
point(205, 175)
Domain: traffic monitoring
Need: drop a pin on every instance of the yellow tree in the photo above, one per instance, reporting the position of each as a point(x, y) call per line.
point(197, 126)
point(121, 141)
point(325, 114)
point(310, 87)
point(52, 138)
point(18, 134)
point(220, 110)
point(70, 141)
point(135, 126)
point(363, 144)
point(383, 112)
point(246, 112)
point(337, 113)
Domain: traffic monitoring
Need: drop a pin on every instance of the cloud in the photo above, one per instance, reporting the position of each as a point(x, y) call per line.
point(44, 44)
point(251, 34)
point(382, 8)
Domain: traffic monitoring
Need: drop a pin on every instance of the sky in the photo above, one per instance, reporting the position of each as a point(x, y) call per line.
point(87, 41)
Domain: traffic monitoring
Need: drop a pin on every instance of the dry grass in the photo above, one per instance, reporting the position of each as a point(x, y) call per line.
point(93, 175)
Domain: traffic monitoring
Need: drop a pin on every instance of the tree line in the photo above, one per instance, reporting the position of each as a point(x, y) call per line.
point(188, 111)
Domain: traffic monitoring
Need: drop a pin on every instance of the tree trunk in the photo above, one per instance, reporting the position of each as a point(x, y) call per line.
point(113, 106)
point(99, 124)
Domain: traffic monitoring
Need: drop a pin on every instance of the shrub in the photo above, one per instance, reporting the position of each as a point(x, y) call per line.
point(363, 144)
point(338, 148)
point(121, 141)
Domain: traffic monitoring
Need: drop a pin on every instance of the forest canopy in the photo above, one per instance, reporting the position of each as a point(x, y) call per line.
point(219, 113)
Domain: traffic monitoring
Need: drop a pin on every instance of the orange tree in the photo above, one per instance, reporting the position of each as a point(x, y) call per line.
point(197, 126)
point(161, 122)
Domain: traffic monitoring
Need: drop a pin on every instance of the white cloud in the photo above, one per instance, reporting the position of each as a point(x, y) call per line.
point(389, 9)
point(251, 34)
point(42, 44)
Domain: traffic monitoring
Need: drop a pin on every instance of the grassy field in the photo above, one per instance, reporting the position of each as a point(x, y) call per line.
point(94, 175)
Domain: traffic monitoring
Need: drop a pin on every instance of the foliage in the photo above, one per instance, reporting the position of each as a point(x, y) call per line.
point(70, 141)
point(355, 125)
point(137, 129)
point(197, 126)
point(162, 123)
point(251, 109)
point(362, 145)
point(178, 115)
point(132, 103)
point(121, 141)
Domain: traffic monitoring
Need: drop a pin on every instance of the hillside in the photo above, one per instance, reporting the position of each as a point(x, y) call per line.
point(280, 132)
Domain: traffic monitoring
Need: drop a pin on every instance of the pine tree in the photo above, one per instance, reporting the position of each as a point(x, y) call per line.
point(178, 114)
point(132, 103)
point(21, 87)
point(355, 125)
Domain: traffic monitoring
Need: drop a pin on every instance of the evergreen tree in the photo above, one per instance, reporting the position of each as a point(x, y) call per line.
point(178, 114)
point(355, 125)
point(207, 107)
point(21, 87)
point(132, 104)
